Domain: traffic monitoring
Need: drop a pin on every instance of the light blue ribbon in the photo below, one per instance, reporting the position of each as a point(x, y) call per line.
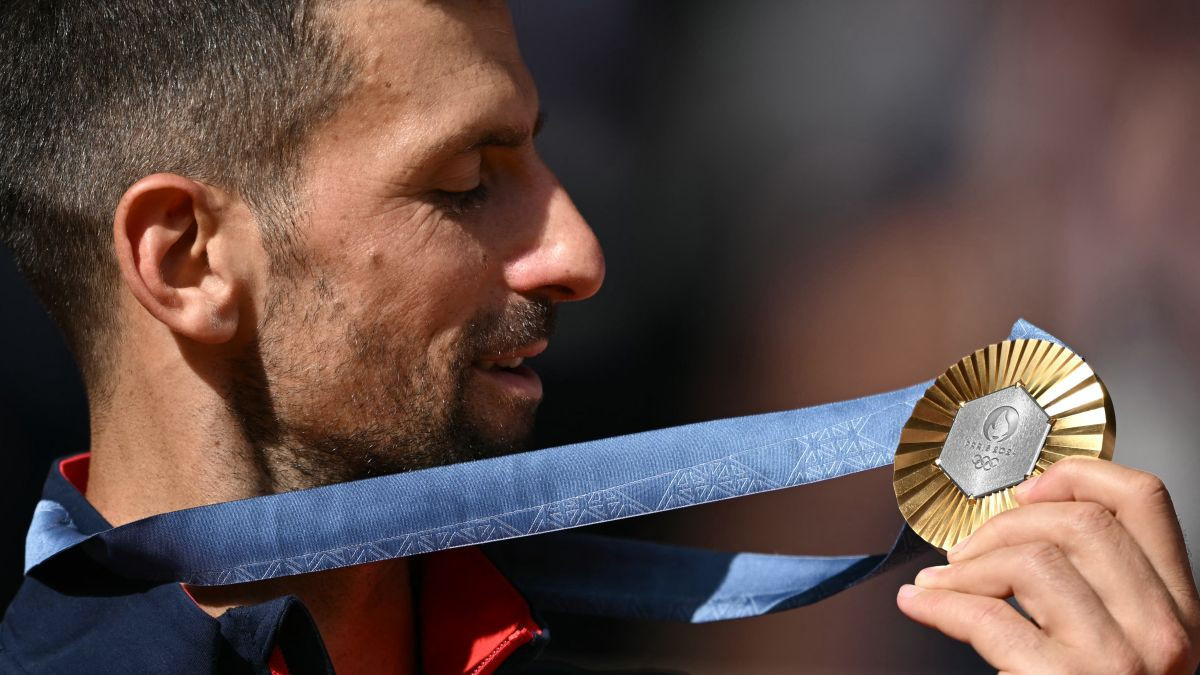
point(533, 493)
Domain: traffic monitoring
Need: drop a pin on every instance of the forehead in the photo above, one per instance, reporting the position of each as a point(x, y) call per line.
point(431, 70)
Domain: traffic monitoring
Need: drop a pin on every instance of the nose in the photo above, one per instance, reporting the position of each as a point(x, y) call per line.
point(565, 263)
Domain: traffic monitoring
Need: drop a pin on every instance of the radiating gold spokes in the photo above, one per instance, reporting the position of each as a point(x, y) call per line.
point(1081, 424)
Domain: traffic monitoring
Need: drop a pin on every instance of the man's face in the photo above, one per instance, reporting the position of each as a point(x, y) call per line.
point(434, 245)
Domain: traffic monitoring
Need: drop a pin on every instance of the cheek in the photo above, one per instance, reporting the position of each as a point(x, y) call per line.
point(407, 271)
point(426, 295)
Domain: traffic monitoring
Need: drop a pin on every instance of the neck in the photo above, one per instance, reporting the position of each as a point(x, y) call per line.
point(167, 442)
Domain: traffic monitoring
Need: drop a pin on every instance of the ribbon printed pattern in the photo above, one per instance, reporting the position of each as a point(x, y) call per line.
point(543, 491)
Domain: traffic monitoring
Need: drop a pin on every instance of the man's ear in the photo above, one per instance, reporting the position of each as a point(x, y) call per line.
point(172, 243)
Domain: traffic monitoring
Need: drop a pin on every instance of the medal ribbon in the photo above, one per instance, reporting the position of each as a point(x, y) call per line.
point(533, 493)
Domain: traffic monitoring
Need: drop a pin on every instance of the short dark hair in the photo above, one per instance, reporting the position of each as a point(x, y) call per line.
point(96, 94)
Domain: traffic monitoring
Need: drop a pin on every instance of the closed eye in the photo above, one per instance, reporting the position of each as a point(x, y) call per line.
point(461, 203)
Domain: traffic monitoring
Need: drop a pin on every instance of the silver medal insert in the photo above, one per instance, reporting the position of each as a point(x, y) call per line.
point(994, 442)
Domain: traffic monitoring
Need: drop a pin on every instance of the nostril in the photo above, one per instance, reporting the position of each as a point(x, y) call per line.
point(562, 293)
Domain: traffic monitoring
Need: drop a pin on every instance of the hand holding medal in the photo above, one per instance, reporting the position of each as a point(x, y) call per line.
point(1094, 554)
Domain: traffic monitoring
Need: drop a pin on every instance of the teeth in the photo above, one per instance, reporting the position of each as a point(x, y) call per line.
point(507, 363)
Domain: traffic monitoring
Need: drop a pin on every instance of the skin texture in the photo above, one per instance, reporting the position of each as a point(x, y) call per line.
point(369, 354)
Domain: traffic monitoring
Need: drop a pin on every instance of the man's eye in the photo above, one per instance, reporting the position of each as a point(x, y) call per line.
point(461, 203)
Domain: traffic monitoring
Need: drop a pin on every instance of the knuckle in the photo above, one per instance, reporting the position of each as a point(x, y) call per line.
point(1173, 646)
point(989, 613)
point(1042, 556)
point(1115, 656)
point(1091, 518)
point(1127, 662)
point(1149, 488)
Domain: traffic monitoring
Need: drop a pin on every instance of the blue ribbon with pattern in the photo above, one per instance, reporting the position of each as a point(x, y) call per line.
point(507, 499)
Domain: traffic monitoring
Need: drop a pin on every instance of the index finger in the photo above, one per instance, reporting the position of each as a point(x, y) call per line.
point(1140, 502)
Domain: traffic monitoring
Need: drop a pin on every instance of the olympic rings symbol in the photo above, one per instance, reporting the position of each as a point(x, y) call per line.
point(986, 462)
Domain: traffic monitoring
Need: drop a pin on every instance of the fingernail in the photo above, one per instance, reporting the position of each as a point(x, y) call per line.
point(928, 574)
point(958, 548)
point(908, 591)
point(1022, 490)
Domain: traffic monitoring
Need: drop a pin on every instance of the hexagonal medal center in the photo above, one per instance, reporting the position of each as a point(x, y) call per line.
point(994, 442)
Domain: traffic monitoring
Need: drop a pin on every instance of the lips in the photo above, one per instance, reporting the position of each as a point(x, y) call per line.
point(509, 373)
point(512, 358)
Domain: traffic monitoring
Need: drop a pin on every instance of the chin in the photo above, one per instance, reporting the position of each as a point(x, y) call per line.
point(501, 434)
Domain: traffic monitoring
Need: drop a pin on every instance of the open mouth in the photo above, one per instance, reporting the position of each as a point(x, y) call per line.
point(506, 364)
point(509, 373)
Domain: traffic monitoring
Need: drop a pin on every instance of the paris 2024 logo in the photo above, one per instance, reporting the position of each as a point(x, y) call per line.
point(1001, 423)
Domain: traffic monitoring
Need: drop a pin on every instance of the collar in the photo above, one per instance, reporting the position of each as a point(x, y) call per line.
point(471, 619)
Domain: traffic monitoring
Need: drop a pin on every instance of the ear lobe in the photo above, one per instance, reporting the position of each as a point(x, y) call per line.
point(165, 230)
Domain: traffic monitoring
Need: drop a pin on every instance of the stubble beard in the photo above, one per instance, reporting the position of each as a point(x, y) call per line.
point(383, 406)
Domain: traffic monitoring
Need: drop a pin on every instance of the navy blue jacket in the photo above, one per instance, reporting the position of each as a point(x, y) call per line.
point(74, 616)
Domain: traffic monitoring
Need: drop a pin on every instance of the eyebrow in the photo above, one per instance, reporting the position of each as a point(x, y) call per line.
point(497, 137)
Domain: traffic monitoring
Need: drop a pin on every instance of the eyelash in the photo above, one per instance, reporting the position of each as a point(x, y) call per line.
point(461, 203)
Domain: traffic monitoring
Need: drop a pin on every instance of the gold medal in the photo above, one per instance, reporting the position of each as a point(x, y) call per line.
point(995, 418)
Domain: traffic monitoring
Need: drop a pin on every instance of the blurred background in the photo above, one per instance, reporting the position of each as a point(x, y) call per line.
point(809, 201)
